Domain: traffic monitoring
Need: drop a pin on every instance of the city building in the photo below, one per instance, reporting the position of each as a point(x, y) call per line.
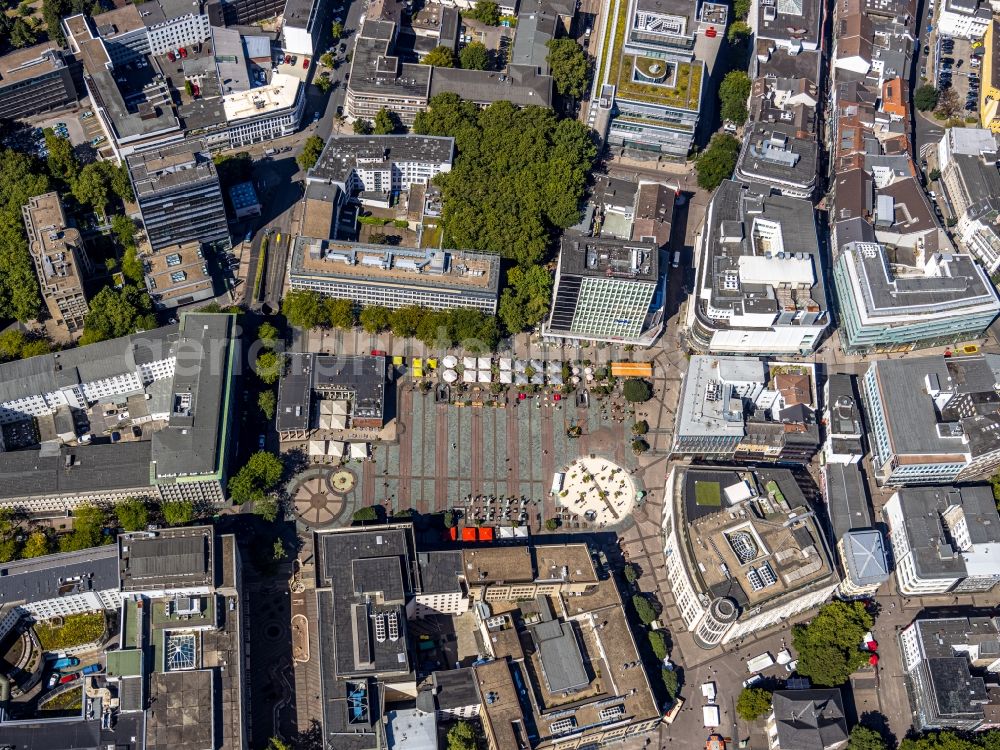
point(58, 585)
point(759, 286)
point(746, 409)
point(892, 299)
point(243, 198)
point(625, 210)
point(300, 26)
point(989, 90)
point(861, 548)
point(938, 656)
point(396, 276)
point(978, 231)
point(651, 72)
point(968, 178)
point(774, 155)
point(173, 385)
point(607, 290)
point(452, 694)
point(842, 416)
point(177, 275)
point(60, 260)
point(807, 720)
point(965, 19)
point(743, 551)
point(793, 26)
point(944, 539)
point(245, 12)
point(932, 420)
point(34, 80)
point(319, 393)
point(177, 189)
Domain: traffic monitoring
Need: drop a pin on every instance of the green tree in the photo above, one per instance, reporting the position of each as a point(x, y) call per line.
point(267, 402)
point(123, 228)
point(934, 175)
point(323, 83)
point(484, 11)
point(738, 31)
point(404, 321)
point(525, 300)
point(131, 265)
point(311, 150)
point(753, 703)
point(268, 367)
point(326, 60)
point(828, 647)
point(61, 161)
point(118, 178)
point(177, 512)
point(92, 188)
point(519, 175)
point(640, 428)
point(19, 180)
point(440, 57)
point(188, 87)
point(717, 162)
point(336, 30)
point(863, 738)
point(362, 127)
point(132, 514)
point(741, 9)
point(643, 609)
point(631, 573)
point(267, 334)
point(22, 34)
point(925, 98)
point(551, 524)
point(115, 313)
point(260, 474)
point(658, 644)
point(462, 736)
point(474, 56)
point(671, 683)
point(16, 344)
point(340, 313)
point(448, 519)
point(637, 390)
point(233, 168)
point(733, 93)
point(37, 544)
point(52, 13)
point(387, 122)
point(639, 446)
point(278, 551)
point(568, 64)
point(267, 508)
point(9, 530)
point(88, 527)
point(375, 319)
point(365, 514)
point(304, 309)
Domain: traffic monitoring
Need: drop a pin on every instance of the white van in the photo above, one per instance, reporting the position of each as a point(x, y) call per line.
point(677, 259)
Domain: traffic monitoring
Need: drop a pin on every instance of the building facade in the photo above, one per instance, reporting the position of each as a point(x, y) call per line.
point(35, 80)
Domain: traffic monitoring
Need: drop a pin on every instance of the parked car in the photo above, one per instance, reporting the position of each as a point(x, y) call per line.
point(753, 680)
point(305, 63)
point(261, 440)
point(69, 678)
point(91, 669)
point(67, 661)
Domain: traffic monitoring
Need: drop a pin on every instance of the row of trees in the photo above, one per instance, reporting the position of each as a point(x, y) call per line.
point(309, 309)
point(717, 162)
point(93, 526)
point(473, 56)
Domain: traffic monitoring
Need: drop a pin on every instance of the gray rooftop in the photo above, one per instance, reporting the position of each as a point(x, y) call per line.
point(760, 272)
point(376, 72)
point(162, 169)
point(866, 557)
point(846, 499)
point(83, 734)
point(705, 408)
point(170, 559)
point(521, 85)
point(941, 637)
point(70, 471)
point(63, 574)
point(773, 155)
point(455, 688)
point(536, 25)
point(809, 719)
point(559, 652)
point(440, 571)
point(608, 257)
point(342, 154)
point(363, 377)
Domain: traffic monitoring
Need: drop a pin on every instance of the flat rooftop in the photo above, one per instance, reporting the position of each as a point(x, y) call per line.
point(30, 62)
point(54, 245)
point(343, 154)
point(176, 271)
point(58, 575)
point(182, 708)
point(361, 380)
point(599, 257)
point(846, 499)
point(160, 170)
point(772, 152)
point(280, 93)
point(168, 559)
point(794, 21)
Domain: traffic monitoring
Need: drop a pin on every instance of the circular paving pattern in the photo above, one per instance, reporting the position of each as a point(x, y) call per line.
point(342, 481)
point(598, 490)
point(318, 495)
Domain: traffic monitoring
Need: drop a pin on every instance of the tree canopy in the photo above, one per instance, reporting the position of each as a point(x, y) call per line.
point(637, 390)
point(863, 738)
point(440, 57)
point(114, 313)
point(260, 474)
point(88, 529)
point(518, 176)
point(16, 344)
point(462, 736)
point(525, 299)
point(361, 126)
point(304, 308)
point(132, 514)
point(20, 179)
point(178, 512)
point(829, 646)
point(267, 402)
point(643, 609)
point(387, 122)
point(568, 64)
point(717, 162)
point(753, 703)
point(484, 11)
point(268, 367)
point(474, 56)
point(733, 94)
point(311, 150)
point(925, 98)
point(374, 319)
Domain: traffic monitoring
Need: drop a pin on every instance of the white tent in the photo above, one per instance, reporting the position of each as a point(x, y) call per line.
point(468, 376)
point(520, 365)
point(484, 363)
point(538, 379)
point(335, 448)
point(449, 361)
point(469, 363)
point(556, 379)
point(521, 379)
point(449, 376)
point(485, 376)
point(506, 376)
point(317, 447)
point(553, 368)
point(332, 421)
point(506, 363)
point(359, 450)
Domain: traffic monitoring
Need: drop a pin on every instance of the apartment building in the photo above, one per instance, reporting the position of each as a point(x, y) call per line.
point(747, 409)
point(978, 231)
point(651, 72)
point(931, 420)
point(807, 720)
point(946, 662)
point(892, 300)
point(34, 80)
point(179, 376)
point(964, 19)
point(179, 197)
point(735, 561)
point(794, 26)
point(842, 416)
point(759, 286)
point(969, 178)
point(944, 539)
point(300, 27)
point(177, 275)
point(245, 12)
point(774, 156)
point(861, 549)
point(60, 260)
point(607, 290)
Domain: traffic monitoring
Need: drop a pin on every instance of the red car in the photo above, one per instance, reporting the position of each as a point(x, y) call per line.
point(378, 353)
point(69, 678)
point(184, 52)
point(305, 64)
point(288, 59)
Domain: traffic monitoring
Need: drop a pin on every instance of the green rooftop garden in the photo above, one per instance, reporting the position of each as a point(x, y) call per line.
point(76, 630)
point(708, 494)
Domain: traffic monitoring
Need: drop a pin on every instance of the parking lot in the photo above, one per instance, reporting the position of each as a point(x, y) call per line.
point(956, 67)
